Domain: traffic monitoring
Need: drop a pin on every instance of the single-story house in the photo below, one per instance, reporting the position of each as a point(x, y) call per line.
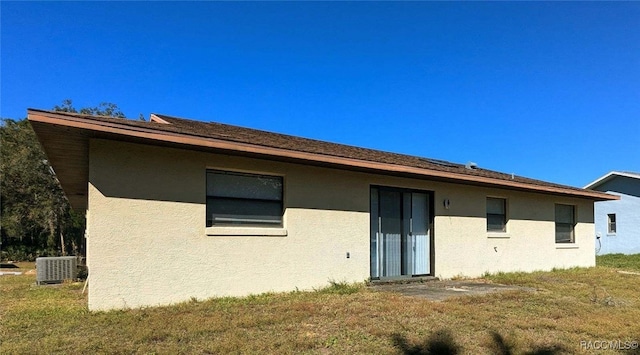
point(617, 222)
point(179, 208)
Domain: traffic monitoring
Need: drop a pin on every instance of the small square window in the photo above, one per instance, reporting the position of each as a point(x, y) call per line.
point(611, 222)
point(565, 222)
point(496, 214)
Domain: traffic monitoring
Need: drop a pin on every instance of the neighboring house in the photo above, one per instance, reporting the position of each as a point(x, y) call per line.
point(179, 209)
point(618, 222)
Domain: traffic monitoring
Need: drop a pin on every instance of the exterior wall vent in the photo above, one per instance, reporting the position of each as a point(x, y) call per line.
point(56, 269)
point(471, 165)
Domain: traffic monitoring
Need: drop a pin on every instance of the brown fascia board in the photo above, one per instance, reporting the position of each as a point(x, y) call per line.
point(154, 135)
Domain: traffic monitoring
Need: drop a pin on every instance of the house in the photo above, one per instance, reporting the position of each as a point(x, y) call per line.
point(179, 209)
point(617, 222)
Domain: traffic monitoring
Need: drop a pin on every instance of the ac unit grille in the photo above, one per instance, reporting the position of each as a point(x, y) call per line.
point(56, 269)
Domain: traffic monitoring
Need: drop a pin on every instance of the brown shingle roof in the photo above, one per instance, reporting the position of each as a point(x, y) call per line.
point(276, 140)
point(166, 130)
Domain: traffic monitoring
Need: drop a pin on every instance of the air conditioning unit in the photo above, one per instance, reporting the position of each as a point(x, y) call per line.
point(56, 269)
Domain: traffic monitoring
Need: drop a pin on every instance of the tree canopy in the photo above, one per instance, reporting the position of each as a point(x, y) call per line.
point(103, 109)
point(37, 219)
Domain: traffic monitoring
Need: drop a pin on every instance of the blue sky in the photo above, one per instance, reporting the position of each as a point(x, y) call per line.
point(547, 90)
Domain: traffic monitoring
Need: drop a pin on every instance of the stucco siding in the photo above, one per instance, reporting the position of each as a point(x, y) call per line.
point(148, 245)
point(527, 245)
point(463, 247)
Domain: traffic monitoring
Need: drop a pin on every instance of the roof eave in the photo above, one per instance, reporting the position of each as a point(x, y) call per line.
point(608, 177)
point(154, 136)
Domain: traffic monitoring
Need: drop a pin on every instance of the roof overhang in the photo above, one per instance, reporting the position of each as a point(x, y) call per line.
point(65, 139)
point(610, 176)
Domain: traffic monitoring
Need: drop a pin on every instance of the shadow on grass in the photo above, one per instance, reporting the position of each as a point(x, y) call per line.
point(442, 343)
point(439, 343)
point(8, 266)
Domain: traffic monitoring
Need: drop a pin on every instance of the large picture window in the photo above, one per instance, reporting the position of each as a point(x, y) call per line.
point(496, 214)
point(243, 199)
point(565, 221)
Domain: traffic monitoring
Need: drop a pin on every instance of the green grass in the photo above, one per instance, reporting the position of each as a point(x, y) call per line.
point(568, 306)
point(627, 262)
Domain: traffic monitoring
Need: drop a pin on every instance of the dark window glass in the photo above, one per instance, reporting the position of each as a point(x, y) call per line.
point(496, 214)
point(565, 221)
point(612, 223)
point(243, 199)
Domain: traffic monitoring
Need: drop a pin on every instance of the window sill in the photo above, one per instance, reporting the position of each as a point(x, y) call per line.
point(246, 231)
point(611, 234)
point(567, 246)
point(498, 235)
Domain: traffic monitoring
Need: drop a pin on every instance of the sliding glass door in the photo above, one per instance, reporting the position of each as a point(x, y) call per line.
point(400, 233)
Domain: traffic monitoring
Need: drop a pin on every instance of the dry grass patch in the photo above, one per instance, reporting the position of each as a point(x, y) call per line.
point(568, 307)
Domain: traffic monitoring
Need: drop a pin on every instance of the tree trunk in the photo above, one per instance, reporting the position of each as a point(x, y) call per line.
point(74, 247)
point(62, 248)
point(51, 242)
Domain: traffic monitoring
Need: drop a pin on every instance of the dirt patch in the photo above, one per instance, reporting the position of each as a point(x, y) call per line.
point(442, 290)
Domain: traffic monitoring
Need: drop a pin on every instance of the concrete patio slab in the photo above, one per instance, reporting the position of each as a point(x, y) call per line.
point(442, 290)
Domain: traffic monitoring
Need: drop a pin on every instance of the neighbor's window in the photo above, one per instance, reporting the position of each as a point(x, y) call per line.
point(496, 214)
point(565, 221)
point(612, 223)
point(243, 199)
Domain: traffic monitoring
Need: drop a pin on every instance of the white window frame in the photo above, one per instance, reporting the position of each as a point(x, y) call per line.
point(611, 223)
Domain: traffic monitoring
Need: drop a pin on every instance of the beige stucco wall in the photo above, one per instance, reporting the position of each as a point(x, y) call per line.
point(463, 247)
point(147, 243)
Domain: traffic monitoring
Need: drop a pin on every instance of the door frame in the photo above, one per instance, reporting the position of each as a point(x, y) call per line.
point(431, 225)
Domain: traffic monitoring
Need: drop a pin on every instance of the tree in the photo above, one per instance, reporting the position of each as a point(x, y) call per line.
point(33, 205)
point(36, 217)
point(103, 109)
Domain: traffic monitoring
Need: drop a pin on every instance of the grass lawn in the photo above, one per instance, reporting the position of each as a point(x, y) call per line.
point(569, 306)
point(628, 262)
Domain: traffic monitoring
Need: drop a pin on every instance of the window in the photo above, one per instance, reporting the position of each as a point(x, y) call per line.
point(243, 199)
point(496, 214)
point(565, 221)
point(611, 223)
